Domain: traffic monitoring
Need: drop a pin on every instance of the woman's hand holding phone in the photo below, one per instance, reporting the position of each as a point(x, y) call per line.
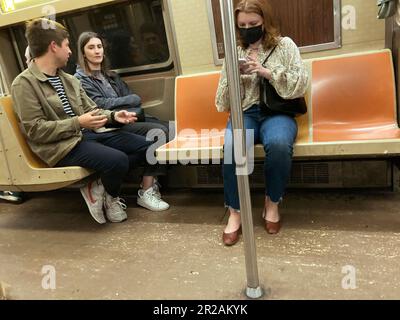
point(254, 66)
point(243, 65)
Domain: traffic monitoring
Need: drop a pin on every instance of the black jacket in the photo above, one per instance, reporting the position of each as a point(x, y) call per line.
point(94, 88)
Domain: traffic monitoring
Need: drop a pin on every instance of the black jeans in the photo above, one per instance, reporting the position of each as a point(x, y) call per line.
point(112, 154)
point(153, 129)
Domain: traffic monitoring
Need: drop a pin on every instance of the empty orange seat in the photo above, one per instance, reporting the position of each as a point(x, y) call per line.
point(199, 127)
point(195, 103)
point(354, 98)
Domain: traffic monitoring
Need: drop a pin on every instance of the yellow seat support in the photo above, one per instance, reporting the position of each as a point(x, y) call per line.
point(20, 168)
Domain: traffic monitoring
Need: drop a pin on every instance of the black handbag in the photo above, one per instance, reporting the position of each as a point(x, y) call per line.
point(272, 103)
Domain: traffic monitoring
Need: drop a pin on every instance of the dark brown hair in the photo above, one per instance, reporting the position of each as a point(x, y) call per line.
point(84, 38)
point(41, 32)
point(263, 9)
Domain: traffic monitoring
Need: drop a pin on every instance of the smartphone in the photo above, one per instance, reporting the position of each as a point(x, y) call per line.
point(242, 60)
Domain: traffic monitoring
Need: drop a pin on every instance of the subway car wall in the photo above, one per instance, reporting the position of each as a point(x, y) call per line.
point(184, 33)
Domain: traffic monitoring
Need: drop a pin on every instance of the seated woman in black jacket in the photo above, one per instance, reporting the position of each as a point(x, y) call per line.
point(109, 91)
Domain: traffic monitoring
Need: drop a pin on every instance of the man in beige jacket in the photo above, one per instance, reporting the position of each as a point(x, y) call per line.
point(65, 128)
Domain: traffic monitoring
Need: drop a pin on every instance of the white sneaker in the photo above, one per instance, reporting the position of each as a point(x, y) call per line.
point(115, 209)
point(148, 199)
point(156, 188)
point(93, 193)
point(11, 196)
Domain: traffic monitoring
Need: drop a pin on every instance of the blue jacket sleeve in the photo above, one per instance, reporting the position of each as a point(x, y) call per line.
point(125, 101)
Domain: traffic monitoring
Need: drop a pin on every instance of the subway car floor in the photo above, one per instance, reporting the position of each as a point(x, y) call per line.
point(342, 244)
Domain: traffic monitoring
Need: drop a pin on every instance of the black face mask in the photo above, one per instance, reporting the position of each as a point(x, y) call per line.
point(251, 35)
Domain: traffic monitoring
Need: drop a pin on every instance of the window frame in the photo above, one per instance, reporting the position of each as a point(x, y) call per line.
point(337, 43)
point(64, 18)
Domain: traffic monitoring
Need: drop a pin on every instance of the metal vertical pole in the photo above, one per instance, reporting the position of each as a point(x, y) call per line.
point(253, 289)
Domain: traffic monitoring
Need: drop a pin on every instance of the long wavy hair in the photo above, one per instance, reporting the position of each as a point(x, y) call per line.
point(263, 9)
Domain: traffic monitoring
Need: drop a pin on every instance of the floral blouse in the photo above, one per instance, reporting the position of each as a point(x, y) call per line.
point(289, 76)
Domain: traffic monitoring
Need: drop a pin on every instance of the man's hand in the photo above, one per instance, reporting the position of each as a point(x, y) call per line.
point(91, 120)
point(125, 117)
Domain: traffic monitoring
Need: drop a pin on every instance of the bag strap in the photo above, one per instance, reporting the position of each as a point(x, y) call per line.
point(272, 51)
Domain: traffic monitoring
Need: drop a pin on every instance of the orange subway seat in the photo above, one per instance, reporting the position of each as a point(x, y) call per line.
point(354, 98)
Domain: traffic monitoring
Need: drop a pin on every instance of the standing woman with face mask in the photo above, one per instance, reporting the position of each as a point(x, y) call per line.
point(259, 39)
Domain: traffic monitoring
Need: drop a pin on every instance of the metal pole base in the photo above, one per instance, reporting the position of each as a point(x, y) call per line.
point(254, 293)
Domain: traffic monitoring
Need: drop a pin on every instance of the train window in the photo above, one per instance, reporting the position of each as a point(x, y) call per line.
point(136, 40)
point(313, 24)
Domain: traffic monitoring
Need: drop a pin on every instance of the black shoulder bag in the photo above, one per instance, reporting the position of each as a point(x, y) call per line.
point(272, 103)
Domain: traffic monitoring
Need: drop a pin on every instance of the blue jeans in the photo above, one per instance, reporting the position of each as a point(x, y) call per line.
point(277, 133)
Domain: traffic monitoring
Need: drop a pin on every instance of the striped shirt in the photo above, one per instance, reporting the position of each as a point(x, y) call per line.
point(58, 86)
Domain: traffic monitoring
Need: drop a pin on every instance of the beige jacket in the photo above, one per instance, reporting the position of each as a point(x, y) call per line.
point(289, 76)
point(50, 132)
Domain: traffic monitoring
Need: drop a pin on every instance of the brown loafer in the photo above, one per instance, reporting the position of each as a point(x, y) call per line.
point(229, 239)
point(272, 227)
